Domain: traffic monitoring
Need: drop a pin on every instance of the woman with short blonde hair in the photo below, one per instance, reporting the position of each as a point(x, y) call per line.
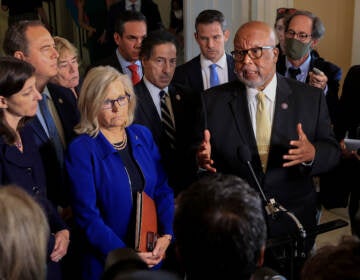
point(109, 163)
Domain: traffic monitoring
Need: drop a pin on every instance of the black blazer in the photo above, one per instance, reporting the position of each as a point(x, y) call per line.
point(228, 120)
point(57, 182)
point(180, 163)
point(332, 72)
point(111, 60)
point(189, 73)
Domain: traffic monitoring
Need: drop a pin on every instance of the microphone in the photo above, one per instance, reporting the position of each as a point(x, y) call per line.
point(272, 207)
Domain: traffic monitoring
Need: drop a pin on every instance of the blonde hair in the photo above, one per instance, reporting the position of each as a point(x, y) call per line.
point(93, 93)
point(62, 45)
point(24, 233)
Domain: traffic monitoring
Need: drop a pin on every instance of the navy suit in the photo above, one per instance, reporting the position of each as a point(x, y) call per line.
point(228, 120)
point(332, 72)
point(69, 116)
point(26, 171)
point(189, 73)
point(180, 163)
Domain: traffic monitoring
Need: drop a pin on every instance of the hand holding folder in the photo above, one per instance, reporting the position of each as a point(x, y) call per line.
point(146, 223)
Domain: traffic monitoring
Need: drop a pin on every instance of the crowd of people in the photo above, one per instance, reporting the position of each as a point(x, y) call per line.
point(229, 147)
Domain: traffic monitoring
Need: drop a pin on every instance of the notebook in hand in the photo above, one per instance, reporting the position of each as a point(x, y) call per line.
point(146, 223)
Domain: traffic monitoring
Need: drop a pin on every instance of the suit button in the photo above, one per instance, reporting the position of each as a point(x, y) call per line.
point(29, 170)
point(36, 190)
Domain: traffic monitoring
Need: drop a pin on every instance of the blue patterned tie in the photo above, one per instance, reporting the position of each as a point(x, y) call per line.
point(214, 78)
point(166, 120)
point(52, 130)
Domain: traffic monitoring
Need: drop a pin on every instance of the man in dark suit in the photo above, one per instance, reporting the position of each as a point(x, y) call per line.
point(303, 31)
point(147, 7)
point(211, 35)
point(130, 31)
point(178, 150)
point(348, 126)
point(300, 142)
point(32, 42)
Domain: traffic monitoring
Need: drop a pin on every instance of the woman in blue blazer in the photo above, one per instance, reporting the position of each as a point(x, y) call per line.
point(108, 163)
point(20, 161)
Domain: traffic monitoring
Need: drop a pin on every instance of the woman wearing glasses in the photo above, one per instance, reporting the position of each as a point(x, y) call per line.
point(108, 163)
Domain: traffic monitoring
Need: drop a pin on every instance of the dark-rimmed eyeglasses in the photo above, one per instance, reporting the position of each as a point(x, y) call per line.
point(122, 100)
point(302, 36)
point(253, 53)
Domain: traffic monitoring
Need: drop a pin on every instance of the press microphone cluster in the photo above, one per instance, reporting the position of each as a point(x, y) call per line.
point(272, 208)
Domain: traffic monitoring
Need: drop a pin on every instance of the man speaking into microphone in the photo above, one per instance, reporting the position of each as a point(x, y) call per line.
point(284, 123)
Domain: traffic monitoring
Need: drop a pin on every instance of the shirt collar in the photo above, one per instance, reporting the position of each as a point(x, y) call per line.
point(269, 91)
point(124, 62)
point(154, 90)
point(205, 63)
point(304, 67)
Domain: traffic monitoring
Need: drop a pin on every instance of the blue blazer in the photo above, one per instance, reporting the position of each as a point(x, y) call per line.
point(102, 197)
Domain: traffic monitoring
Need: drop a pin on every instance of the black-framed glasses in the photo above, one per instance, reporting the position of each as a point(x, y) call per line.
point(253, 53)
point(121, 100)
point(302, 36)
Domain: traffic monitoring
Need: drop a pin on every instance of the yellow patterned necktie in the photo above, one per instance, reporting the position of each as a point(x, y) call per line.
point(263, 129)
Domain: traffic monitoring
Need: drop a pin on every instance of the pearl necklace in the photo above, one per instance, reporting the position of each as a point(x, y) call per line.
point(120, 145)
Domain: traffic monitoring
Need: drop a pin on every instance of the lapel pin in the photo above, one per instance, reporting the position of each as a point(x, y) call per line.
point(284, 106)
point(60, 101)
point(178, 97)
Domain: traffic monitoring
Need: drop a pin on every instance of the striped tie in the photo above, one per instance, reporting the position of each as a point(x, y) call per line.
point(166, 120)
point(263, 129)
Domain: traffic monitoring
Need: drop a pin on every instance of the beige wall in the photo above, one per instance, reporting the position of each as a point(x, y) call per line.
point(338, 18)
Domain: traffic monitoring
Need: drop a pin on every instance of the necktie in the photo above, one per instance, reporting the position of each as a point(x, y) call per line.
point(214, 78)
point(135, 78)
point(294, 72)
point(263, 129)
point(133, 8)
point(167, 122)
point(50, 124)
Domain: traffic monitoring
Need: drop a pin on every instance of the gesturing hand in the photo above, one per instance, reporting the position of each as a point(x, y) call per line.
point(302, 150)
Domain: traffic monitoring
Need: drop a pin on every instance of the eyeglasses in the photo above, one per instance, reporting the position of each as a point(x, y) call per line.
point(121, 100)
point(253, 53)
point(285, 11)
point(302, 36)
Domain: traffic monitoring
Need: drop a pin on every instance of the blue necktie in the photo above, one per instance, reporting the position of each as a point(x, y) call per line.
point(52, 130)
point(214, 78)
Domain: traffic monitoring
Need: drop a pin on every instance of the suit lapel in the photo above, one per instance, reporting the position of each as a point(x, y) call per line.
point(148, 110)
point(38, 129)
point(196, 76)
point(231, 68)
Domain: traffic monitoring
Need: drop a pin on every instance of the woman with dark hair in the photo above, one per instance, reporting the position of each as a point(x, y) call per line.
point(20, 161)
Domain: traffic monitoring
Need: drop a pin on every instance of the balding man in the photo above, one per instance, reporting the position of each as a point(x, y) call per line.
point(299, 141)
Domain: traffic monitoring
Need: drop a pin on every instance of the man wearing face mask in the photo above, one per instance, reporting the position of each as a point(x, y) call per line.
point(303, 31)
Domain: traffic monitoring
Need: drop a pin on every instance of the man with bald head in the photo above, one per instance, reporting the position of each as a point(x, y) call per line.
point(299, 142)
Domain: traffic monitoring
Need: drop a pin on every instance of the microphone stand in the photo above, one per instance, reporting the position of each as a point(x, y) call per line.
point(273, 208)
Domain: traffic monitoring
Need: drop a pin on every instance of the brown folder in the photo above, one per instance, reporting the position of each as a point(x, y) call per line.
point(146, 223)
